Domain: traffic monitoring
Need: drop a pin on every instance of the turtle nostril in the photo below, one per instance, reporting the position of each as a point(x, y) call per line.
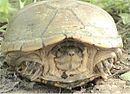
point(71, 53)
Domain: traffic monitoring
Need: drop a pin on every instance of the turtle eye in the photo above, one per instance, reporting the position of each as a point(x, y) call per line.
point(80, 54)
point(78, 51)
point(59, 53)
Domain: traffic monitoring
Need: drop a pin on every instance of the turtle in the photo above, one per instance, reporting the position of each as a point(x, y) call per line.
point(65, 43)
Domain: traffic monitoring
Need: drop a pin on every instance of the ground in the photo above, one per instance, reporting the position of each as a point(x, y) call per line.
point(10, 82)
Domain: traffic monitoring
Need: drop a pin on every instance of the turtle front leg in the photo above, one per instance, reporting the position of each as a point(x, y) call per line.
point(30, 69)
point(104, 68)
point(29, 64)
point(106, 62)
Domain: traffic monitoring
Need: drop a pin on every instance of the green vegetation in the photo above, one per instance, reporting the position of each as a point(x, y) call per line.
point(22, 3)
point(125, 76)
point(7, 10)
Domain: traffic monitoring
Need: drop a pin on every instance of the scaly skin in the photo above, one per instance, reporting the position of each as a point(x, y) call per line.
point(69, 62)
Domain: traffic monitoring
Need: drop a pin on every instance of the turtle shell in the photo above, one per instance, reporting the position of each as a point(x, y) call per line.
point(51, 21)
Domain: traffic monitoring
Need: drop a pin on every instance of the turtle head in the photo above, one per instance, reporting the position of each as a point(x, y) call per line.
point(68, 55)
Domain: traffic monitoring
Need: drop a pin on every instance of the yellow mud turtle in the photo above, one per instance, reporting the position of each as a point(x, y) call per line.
point(66, 43)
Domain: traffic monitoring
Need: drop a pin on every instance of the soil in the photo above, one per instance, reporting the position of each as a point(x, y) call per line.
point(10, 82)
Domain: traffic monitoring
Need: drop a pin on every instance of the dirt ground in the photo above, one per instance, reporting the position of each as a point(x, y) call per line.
point(11, 83)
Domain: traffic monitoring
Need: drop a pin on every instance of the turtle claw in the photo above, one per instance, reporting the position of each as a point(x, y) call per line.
point(37, 73)
point(104, 68)
point(30, 69)
point(100, 68)
point(107, 66)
